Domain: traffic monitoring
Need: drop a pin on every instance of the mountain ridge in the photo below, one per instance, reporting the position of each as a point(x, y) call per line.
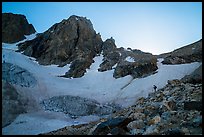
point(186, 54)
point(75, 41)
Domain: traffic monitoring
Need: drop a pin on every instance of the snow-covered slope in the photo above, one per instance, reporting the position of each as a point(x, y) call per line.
point(14, 47)
point(100, 86)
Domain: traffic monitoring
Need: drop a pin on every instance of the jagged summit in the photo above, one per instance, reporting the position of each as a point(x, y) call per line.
point(73, 40)
point(15, 27)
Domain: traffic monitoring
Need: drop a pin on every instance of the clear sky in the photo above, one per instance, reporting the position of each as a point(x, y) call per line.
point(155, 27)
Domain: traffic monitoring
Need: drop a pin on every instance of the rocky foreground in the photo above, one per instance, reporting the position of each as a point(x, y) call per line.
point(175, 109)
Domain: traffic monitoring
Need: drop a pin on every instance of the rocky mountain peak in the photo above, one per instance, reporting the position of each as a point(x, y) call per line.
point(15, 27)
point(73, 40)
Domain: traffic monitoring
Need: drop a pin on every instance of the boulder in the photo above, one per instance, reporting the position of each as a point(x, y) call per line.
point(137, 124)
point(114, 126)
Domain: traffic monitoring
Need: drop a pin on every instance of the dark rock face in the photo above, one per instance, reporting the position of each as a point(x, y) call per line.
point(108, 46)
point(186, 54)
point(194, 77)
point(174, 131)
point(139, 69)
point(11, 104)
point(111, 55)
point(78, 67)
point(14, 27)
point(71, 41)
point(193, 105)
point(144, 63)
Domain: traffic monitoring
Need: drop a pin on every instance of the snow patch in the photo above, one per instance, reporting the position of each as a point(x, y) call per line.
point(14, 45)
point(30, 37)
point(43, 122)
point(129, 59)
point(115, 65)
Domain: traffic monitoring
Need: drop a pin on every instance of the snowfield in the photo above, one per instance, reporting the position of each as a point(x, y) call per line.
point(101, 86)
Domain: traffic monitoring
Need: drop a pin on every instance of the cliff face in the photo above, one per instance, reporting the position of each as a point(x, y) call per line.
point(15, 27)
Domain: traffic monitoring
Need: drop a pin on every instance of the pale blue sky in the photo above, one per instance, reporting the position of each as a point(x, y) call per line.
point(155, 27)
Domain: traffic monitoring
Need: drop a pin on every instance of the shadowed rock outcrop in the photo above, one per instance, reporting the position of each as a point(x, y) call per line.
point(15, 27)
point(110, 54)
point(194, 77)
point(141, 64)
point(186, 54)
